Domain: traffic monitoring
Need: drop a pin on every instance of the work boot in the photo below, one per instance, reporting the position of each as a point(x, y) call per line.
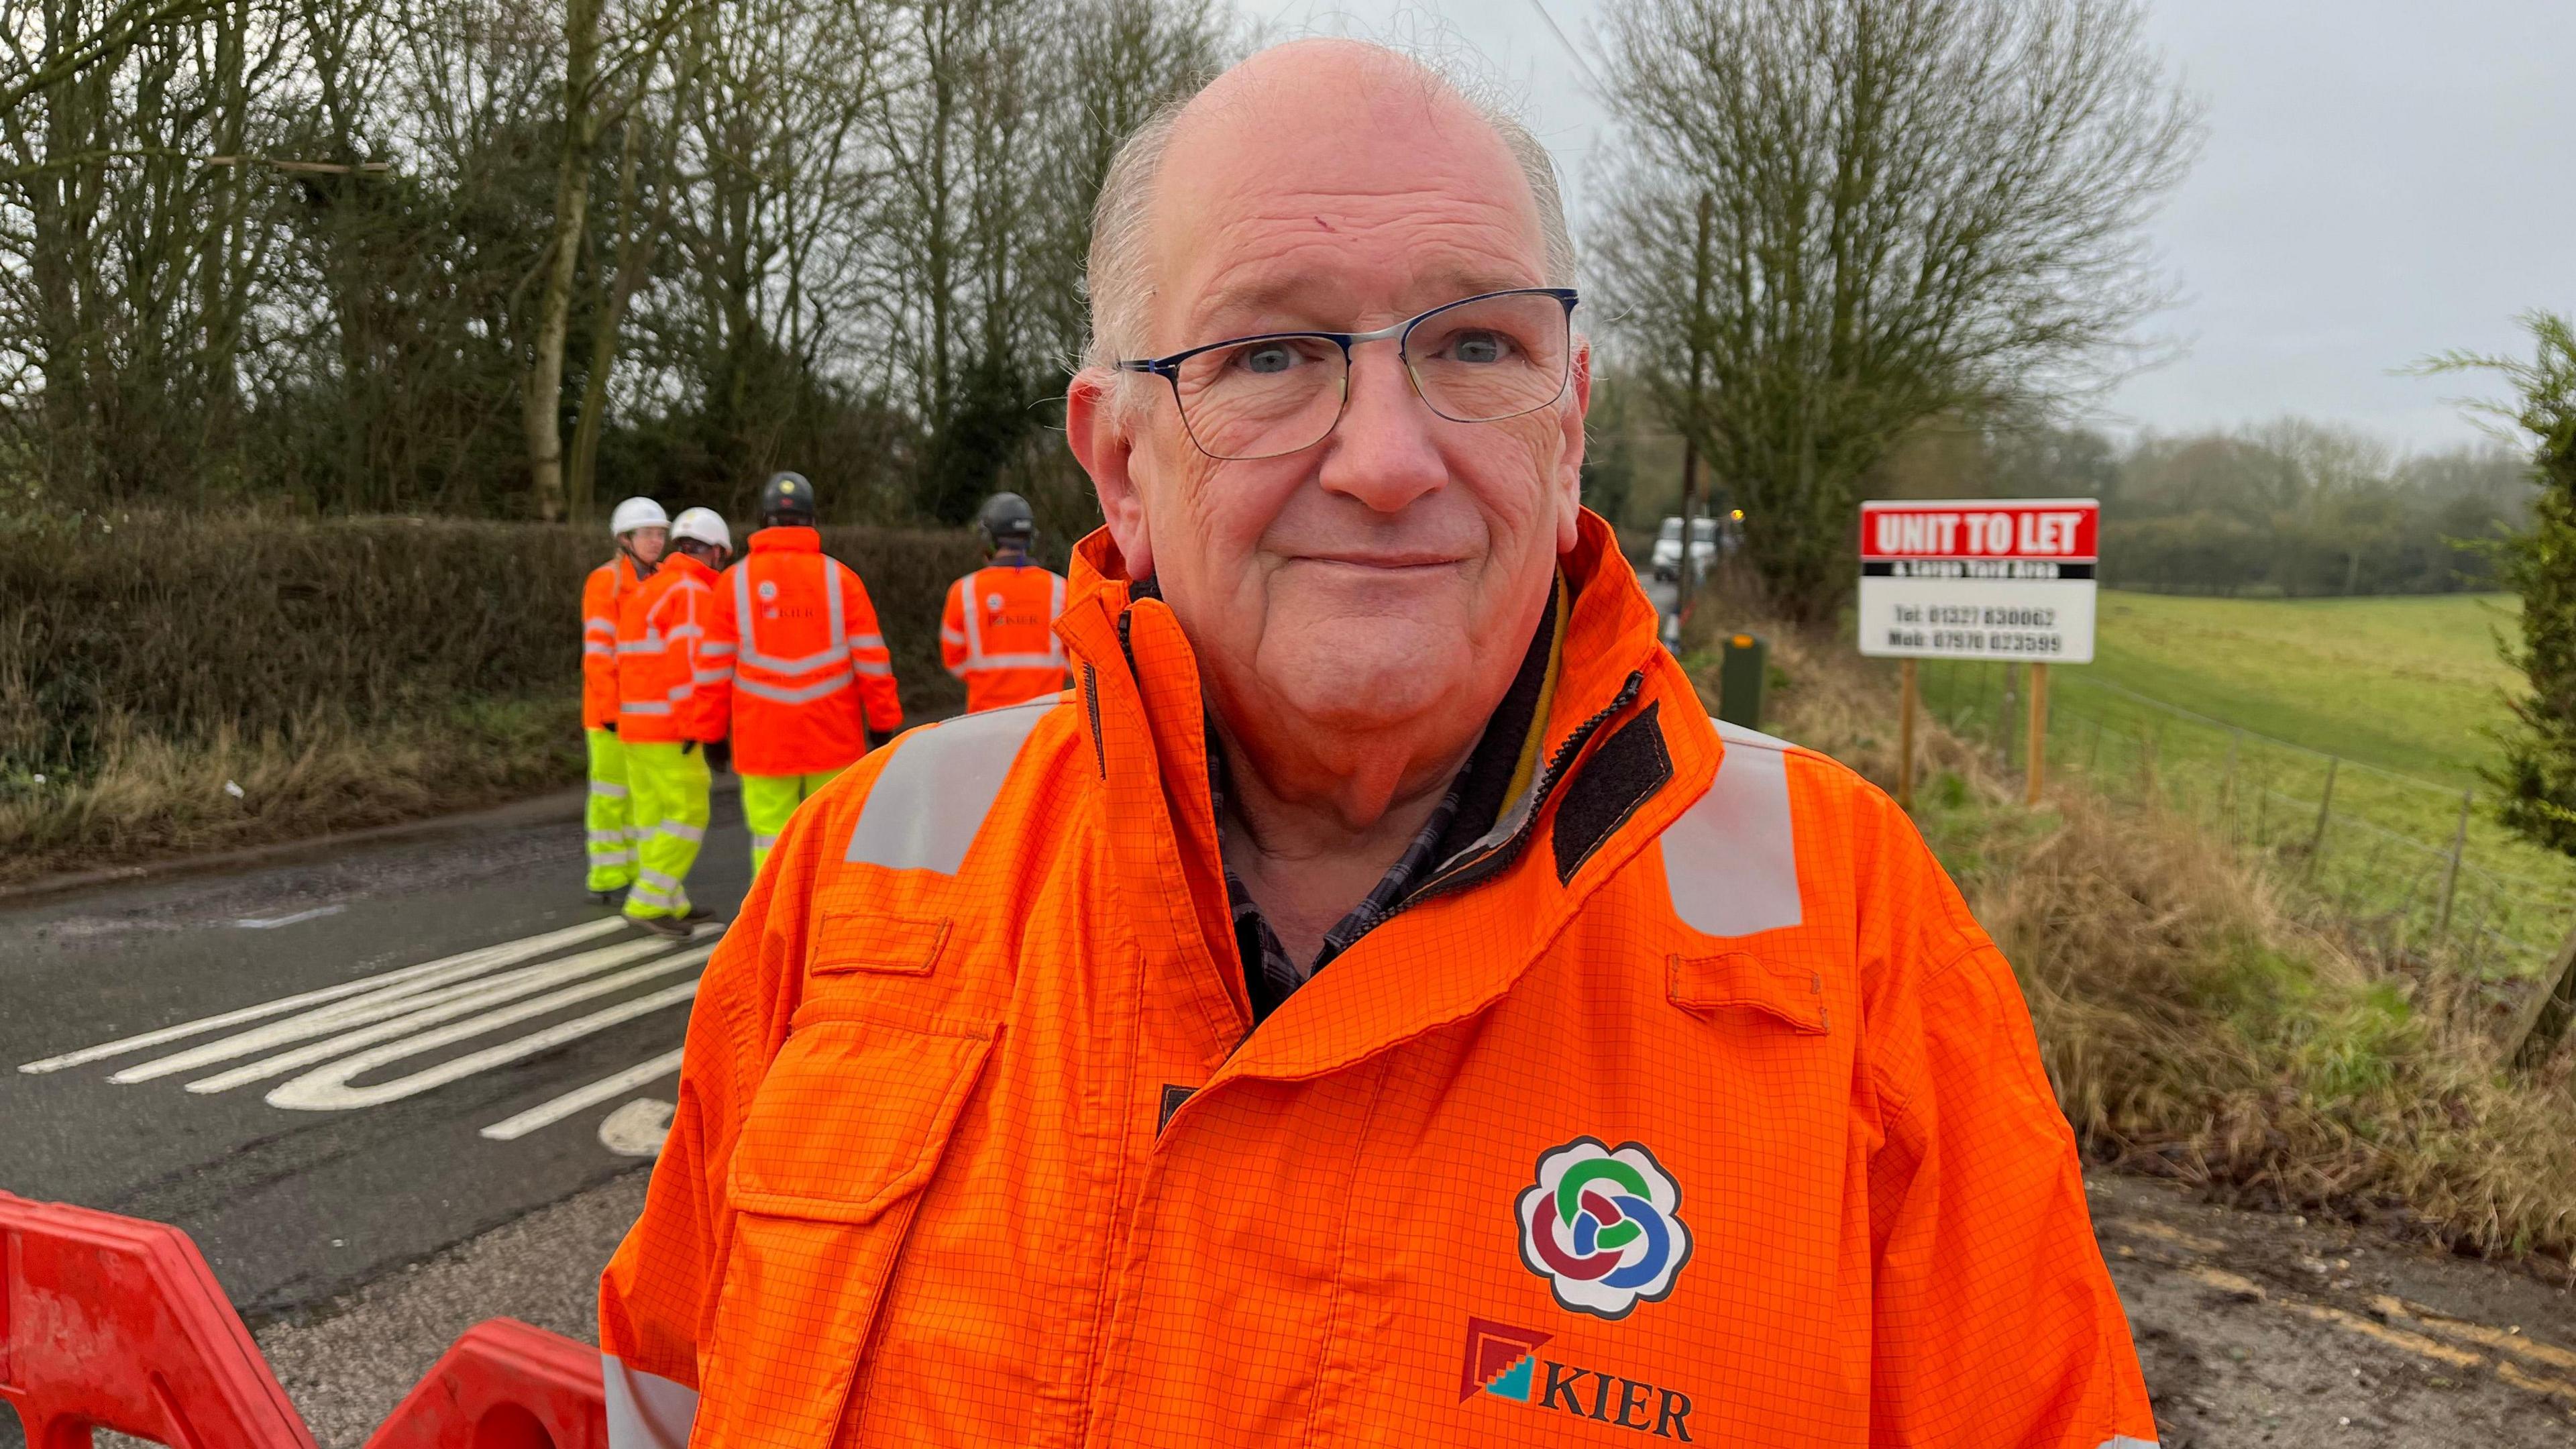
point(616, 897)
point(670, 928)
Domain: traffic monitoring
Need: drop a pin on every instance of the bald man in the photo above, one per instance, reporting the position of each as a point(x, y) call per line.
point(1378, 1005)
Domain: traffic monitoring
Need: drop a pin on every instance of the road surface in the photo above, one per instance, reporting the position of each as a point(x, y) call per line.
point(327, 1072)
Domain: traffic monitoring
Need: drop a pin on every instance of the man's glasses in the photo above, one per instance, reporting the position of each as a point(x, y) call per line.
point(1481, 360)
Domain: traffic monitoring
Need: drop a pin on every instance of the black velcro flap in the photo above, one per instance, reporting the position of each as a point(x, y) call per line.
point(1624, 773)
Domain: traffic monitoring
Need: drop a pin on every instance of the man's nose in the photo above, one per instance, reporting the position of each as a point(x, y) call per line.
point(1382, 453)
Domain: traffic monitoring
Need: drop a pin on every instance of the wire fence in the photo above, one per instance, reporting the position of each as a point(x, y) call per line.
point(2409, 864)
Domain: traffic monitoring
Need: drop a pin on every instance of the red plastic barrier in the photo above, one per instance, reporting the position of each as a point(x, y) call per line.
point(504, 1385)
point(114, 1323)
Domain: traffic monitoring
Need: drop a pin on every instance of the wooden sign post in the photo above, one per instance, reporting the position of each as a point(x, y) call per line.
point(2037, 745)
point(1905, 737)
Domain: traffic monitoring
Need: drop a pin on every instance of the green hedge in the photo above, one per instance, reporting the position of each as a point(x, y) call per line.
point(191, 628)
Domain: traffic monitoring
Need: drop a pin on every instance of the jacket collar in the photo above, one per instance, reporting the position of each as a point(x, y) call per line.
point(787, 538)
point(1468, 932)
point(679, 568)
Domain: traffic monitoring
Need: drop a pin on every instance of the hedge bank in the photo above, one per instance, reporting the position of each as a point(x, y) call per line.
point(341, 673)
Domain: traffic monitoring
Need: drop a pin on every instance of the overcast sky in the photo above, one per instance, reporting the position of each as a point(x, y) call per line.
point(2382, 179)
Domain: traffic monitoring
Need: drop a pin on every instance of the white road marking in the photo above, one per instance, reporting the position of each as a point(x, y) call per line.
point(271, 923)
point(471, 999)
point(408, 998)
point(548, 1113)
point(327, 1089)
point(446, 968)
point(637, 1129)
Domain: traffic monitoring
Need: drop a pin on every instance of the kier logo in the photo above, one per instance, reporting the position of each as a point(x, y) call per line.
point(1502, 1362)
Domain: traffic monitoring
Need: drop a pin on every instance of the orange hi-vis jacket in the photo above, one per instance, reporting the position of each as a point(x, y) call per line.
point(998, 634)
point(667, 667)
point(809, 664)
point(1689, 1105)
point(601, 595)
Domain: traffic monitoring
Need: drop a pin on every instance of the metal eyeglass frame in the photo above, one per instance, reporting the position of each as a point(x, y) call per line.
point(1169, 368)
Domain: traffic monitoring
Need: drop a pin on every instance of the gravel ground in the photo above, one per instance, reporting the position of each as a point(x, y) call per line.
point(347, 1365)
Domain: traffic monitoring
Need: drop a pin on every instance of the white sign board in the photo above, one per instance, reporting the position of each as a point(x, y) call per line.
point(2006, 578)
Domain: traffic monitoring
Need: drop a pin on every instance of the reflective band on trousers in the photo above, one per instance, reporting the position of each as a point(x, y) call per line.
point(613, 792)
point(763, 842)
point(683, 830)
point(976, 658)
point(837, 651)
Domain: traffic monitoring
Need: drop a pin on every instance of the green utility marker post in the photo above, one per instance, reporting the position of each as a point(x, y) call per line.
point(1740, 670)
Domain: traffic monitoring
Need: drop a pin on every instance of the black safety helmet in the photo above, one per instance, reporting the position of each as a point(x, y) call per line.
point(1006, 522)
point(786, 498)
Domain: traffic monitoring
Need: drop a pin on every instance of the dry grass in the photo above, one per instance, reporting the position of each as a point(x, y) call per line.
point(2194, 1024)
point(152, 797)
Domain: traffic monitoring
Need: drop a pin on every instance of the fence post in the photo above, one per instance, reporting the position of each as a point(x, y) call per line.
point(2325, 811)
point(2451, 872)
point(2544, 1018)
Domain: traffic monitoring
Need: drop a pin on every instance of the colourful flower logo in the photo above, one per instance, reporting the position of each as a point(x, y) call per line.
point(1604, 1228)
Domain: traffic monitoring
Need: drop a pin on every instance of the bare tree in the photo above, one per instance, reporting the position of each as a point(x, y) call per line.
point(1829, 220)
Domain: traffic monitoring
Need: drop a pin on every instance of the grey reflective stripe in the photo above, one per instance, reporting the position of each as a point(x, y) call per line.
point(613, 792)
point(685, 631)
point(951, 636)
point(651, 643)
point(684, 830)
point(748, 632)
point(604, 626)
point(1731, 860)
point(866, 641)
point(1055, 607)
point(873, 668)
point(763, 842)
point(931, 799)
point(593, 646)
point(2123, 1441)
point(715, 651)
point(778, 695)
point(649, 706)
point(974, 611)
point(714, 676)
point(645, 1411)
point(614, 839)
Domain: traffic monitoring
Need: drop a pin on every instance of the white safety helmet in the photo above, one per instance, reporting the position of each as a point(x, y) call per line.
point(705, 525)
point(636, 513)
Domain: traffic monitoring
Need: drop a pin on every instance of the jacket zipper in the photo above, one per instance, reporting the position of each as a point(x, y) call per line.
point(1501, 856)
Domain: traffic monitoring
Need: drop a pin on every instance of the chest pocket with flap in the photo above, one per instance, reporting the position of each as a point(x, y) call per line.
point(846, 1130)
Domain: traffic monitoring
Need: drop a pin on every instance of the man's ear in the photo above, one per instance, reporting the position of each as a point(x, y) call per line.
point(1097, 427)
point(1569, 478)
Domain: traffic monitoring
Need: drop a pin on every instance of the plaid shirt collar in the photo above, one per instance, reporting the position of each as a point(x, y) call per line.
point(1475, 800)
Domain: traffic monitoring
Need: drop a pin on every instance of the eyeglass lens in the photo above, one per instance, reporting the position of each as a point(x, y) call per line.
point(1476, 362)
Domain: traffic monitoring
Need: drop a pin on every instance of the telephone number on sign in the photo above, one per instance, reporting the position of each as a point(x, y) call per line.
point(1991, 641)
point(1990, 617)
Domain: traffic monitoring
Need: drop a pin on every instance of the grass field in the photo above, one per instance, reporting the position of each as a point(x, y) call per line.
point(2238, 710)
point(2408, 684)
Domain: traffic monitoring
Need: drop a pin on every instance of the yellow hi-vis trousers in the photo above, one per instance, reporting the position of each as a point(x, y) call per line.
point(671, 821)
point(767, 801)
point(607, 816)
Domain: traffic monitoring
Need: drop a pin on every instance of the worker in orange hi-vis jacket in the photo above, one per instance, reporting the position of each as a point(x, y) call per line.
point(1378, 1006)
point(998, 632)
point(670, 713)
point(640, 528)
point(811, 672)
